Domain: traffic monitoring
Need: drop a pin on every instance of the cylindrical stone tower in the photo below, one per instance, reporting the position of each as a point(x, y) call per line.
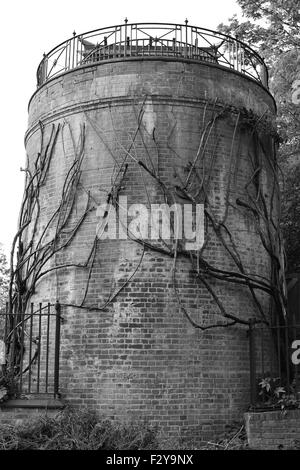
point(151, 114)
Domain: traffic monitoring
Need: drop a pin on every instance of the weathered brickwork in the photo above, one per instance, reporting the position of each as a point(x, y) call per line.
point(140, 356)
point(273, 430)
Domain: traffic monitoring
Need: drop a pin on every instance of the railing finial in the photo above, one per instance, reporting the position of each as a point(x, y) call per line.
point(74, 33)
point(186, 21)
point(126, 20)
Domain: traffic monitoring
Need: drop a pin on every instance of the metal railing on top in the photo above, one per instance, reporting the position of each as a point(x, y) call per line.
point(152, 40)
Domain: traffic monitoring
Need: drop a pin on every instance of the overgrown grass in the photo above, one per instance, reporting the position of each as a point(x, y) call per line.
point(83, 430)
point(76, 430)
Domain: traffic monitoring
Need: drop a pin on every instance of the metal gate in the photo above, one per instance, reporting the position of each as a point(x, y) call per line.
point(31, 341)
point(274, 362)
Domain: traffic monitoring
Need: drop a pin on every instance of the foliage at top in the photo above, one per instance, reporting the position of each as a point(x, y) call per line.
point(273, 28)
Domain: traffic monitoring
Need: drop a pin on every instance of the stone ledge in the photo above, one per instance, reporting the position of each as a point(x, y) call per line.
point(33, 403)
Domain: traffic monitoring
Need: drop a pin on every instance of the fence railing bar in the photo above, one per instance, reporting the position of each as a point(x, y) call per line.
point(47, 347)
point(30, 349)
point(278, 348)
point(57, 348)
point(294, 338)
point(287, 355)
point(22, 349)
point(262, 352)
point(13, 340)
point(6, 321)
point(39, 348)
point(252, 363)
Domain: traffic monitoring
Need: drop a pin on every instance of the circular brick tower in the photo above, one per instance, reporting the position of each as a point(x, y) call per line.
point(154, 328)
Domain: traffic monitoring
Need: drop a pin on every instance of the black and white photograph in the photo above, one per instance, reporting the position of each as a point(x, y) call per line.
point(150, 229)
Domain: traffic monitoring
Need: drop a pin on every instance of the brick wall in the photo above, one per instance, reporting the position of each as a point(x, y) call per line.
point(273, 429)
point(140, 357)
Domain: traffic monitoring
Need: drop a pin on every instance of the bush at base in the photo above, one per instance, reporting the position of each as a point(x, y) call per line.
point(76, 430)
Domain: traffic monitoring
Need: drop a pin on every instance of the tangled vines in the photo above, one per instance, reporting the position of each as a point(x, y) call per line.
point(34, 256)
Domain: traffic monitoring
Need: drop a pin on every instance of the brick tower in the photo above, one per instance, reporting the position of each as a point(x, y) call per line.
point(152, 114)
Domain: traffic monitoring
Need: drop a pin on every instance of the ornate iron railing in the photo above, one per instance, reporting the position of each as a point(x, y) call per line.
point(150, 40)
point(31, 350)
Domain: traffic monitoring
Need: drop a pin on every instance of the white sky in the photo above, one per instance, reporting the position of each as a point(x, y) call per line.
point(31, 27)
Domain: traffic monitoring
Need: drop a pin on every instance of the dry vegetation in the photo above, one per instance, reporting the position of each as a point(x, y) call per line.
point(83, 430)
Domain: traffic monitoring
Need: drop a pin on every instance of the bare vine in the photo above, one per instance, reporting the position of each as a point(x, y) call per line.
point(34, 257)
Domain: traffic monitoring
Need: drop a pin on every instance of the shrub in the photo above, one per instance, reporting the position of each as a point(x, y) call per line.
point(77, 430)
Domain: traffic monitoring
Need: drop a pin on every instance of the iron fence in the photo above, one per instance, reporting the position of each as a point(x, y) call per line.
point(152, 40)
point(274, 361)
point(32, 349)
